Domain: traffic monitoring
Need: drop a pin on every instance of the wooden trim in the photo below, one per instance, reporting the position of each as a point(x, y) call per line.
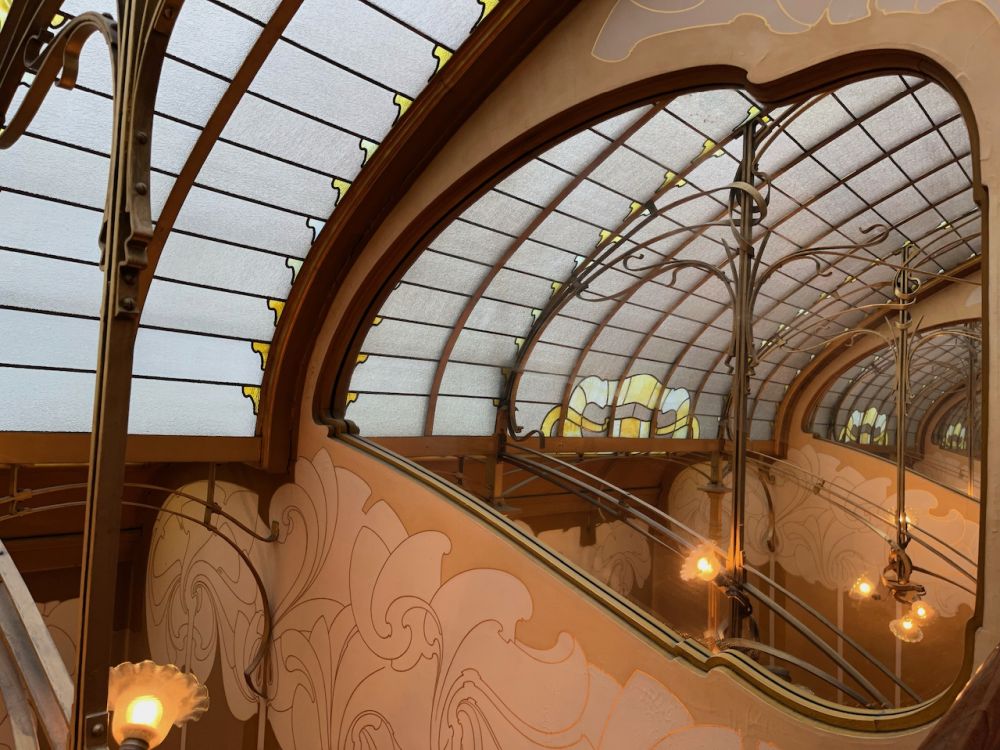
point(34, 554)
point(25, 448)
point(504, 38)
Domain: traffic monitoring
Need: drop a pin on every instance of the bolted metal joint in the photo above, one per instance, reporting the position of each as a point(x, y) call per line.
point(96, 731)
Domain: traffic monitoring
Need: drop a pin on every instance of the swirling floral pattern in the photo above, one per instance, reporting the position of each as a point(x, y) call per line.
point(373, 648)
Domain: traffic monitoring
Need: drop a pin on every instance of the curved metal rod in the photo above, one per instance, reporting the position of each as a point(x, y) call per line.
point(739, 644)
point(215, 508)
point(915, 528)
point(690, 464)
point(853, 333)
point(29, 494)
point(789, 116)
point(630, 498)
point(261, 652)
point(589, 271)
point(670, 264)
point(834, 629)
point(786, 466)
point(578, 489)
point(822, 645)
point(617, 507)
point(265, 639)
point(940, 577)
point(850, 512)
point(811, 254)
point(61, 54)
point(924, 544)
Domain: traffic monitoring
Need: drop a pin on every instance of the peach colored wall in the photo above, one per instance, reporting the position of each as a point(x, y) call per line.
point(399, 618)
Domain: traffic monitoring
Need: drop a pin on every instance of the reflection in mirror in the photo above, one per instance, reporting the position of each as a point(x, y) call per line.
point(941, 419)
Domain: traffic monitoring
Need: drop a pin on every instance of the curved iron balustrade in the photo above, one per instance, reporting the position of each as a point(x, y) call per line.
point(756, 594)
point(17, 509)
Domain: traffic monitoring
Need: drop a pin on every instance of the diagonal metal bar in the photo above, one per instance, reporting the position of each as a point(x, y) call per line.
point(32, 657)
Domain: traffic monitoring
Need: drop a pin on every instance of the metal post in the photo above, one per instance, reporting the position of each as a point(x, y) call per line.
point(970, 410)
point(715, 491)
point(743, 340)
point(143, 32)
point(903, 323)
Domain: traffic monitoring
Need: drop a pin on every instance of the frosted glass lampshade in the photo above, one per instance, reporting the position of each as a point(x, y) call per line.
point(148, 698)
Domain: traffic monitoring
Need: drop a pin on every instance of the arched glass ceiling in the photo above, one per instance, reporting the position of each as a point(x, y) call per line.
point(859, 406)
point(891, 151)
point(342, 74)
point(957, 426)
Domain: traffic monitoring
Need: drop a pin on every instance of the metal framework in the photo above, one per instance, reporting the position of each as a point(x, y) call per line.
point(745, 275)
point(137, 43)
point(876, 308)
point(758, 593)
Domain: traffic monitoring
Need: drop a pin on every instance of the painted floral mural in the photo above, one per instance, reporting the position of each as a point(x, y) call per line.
point(373, 648)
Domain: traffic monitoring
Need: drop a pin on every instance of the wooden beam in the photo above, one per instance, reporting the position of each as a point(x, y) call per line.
point(36, 554)
point(24, 448)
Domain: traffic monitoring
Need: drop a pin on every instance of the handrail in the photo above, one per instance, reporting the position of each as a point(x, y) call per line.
point(642, 622)
point(818, 642)
point(630, 497)
point(743, 644)
point(572, 484)
point(836, 631)
point(915, 537)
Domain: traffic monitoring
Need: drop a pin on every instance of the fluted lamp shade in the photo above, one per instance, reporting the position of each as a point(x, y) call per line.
point(148, 698)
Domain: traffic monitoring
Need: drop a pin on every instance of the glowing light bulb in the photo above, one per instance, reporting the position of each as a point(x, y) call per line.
point(146, 710)
point(906, 629)
point(922, 611)
point(862, 589)
point(701, 563)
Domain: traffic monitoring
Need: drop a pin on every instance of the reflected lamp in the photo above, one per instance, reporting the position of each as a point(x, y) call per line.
point(862, 589)
point(922, 612)
point(148, 698)
point(702, 563)
point(906, 629)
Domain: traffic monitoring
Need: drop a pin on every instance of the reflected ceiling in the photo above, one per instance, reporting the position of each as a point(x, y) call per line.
point(642, 352)
point(859, 406)
point(339, 78)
